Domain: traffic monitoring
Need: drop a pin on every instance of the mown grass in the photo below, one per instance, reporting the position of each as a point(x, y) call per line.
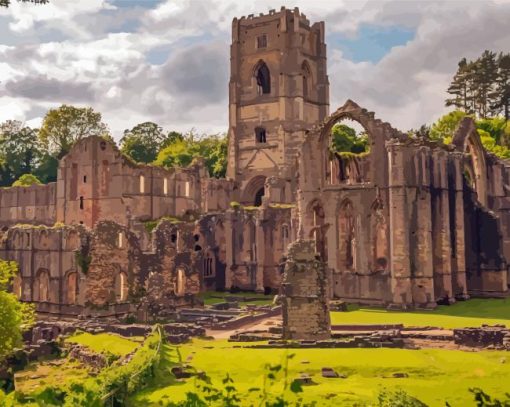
point(434, 376)
point(104, 342)
point(474, 312)
point(215, 297)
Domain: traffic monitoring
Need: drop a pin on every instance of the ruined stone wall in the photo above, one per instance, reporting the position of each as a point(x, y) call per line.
point(95, 182)
point(257, 240)
point(31, 205)
point(50, 271)
point(304, 295)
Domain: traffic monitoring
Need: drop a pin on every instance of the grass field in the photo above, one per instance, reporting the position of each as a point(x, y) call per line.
point(474, 312)
point(105, 342)
point(435, 376)
point(215, 297)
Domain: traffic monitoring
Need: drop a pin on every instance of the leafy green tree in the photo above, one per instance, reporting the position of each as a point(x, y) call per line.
point(345, 139)
point(180, 150)
point(65, 125)
point(143, 141)
point(502, 92)
point(14, 315)
point(446, 125)
point(20, 151)
point(26, 180)
point(177, 154)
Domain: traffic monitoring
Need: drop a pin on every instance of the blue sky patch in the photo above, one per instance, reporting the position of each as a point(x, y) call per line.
point(371, 43)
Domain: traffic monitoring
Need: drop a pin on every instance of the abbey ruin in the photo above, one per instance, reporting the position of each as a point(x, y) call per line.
point(409, 223)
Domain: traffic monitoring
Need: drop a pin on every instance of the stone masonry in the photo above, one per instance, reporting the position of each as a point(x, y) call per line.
point(304, 294)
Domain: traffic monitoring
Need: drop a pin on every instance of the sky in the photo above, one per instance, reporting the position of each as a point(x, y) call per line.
point(167, 61)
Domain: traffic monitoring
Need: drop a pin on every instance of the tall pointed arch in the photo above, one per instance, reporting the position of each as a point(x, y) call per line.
point(262, 77)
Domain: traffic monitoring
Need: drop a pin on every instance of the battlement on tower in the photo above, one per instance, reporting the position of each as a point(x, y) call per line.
point(290, 20)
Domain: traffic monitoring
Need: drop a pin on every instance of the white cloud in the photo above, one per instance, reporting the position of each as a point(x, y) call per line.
point(110, 70)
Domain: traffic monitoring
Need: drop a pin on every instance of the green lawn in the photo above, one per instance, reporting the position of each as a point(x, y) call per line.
point(215, 297)
point(474, 312)
point(435, 376)
point(105, 342)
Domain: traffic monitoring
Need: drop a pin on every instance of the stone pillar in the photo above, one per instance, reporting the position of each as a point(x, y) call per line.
point(230, 247)
point(441, 229)
point(305, 307)
point(260, 256)
point(423, 276)
point(459, 280)
point(400, 266)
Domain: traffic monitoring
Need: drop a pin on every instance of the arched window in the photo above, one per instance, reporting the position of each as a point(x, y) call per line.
point(180, 289)
point(263, 78)
point(209, 265)
point(121, 287)
point(260, 134)
point(72, 287)
point(142, 184)
point(258, 197)
point(347, 237)
point(42, 286)
point(306, 74)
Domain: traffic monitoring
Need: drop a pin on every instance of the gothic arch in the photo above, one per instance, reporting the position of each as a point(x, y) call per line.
point(467, 140)
point(318, 230)
point(379, 240)
point(42, 286)
point(262, 77)
point(71, 287)
point(254, 191)
point(121, 287)
point(307, 78)
point(347, 236)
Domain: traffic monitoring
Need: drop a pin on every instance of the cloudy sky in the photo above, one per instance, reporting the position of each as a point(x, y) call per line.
point(167, 60)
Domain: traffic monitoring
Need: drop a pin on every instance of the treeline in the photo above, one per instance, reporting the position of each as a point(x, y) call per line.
point(482, 87)
point(30, 156)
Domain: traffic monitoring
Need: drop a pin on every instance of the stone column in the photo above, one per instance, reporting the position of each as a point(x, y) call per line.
point(305, 309)
point(230, 249)
point(260, 257)
point(459, 281)
point(441, 229)
point(400, 266)
point(423, 279)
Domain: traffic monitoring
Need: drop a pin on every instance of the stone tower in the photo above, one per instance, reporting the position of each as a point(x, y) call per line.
point(278, 89)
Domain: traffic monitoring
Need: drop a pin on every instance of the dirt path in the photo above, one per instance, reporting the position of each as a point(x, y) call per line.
point(259, 325)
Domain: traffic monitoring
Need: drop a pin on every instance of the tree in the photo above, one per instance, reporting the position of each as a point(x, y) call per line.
point(143, 141)
point(7, 3)
point(502, 97)
point(14, 315)
point(20, 151)
point(461, 87)
point(65, 125)
point(177, 154)
point(485, 75)
point(345, 139)
point(26, 180)
point(179, 150)
point(446, 125)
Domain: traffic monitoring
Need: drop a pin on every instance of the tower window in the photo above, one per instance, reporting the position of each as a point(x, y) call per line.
point(260, 134)
point(81, 202)
point(262, 41)
point(263, 79)
point(84, 179)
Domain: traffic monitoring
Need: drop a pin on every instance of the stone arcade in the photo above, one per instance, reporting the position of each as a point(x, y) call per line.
point(411, 223)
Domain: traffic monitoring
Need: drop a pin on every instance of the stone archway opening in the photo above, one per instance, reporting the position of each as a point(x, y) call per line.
point(254, 191)
point(348, 151)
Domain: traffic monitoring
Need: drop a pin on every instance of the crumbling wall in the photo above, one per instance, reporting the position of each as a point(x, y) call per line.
point(304, 294)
